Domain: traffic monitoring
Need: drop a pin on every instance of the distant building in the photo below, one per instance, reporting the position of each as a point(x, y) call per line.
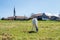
point(45, 17)
point(40, 16)
point(54, 18)
point(18, 18)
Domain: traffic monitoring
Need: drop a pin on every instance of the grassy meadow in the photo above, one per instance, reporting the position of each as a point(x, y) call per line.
point(19, 30)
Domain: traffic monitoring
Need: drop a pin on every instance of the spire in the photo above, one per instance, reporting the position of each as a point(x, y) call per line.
point(14, 12)
point(14, 15)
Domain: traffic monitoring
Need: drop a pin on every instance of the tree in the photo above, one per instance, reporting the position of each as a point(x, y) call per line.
point(2, 18)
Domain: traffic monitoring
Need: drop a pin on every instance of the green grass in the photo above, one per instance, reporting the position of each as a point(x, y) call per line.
point(48, 30)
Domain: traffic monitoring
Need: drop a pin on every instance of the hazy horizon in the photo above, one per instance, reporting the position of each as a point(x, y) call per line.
point(27, 7)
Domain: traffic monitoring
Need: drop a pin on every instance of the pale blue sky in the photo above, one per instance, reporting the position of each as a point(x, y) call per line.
point(27, 7)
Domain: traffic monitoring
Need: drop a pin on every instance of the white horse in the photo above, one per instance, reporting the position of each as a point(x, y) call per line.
point(35, 24)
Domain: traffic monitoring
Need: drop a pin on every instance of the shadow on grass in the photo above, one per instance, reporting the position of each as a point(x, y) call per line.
point(29, 31)
point(32, 32)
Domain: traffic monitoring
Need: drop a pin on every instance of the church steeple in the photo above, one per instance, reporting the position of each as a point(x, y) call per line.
point(14, 14)
point(14, 11)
